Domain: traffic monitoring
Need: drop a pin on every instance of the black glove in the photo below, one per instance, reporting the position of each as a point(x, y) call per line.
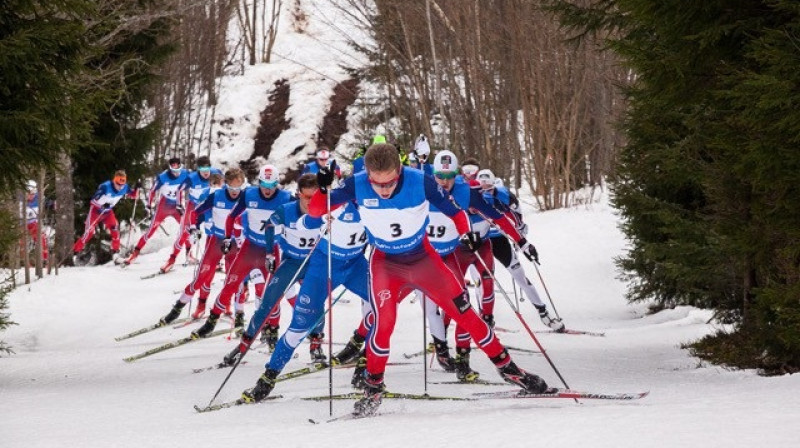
point(472, 241)
point(324, 178)
point(529, 251)
point(226, 244)
point(270, 261)
point(194, 233)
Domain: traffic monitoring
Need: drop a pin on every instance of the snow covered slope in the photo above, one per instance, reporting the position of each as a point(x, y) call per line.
point(67, 384)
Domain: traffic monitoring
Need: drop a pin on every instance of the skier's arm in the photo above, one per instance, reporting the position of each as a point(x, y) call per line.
point(441, 200)
point(344, 193)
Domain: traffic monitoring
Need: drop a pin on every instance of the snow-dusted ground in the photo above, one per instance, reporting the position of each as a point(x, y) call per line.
point(67, 384)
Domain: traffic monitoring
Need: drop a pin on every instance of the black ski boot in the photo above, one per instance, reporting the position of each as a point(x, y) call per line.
point(358, 381)
point(373, 395)
point(173, 313)
point(238, 321)
point(269, 336)
point(554, 324)
point(529, 382)
point(489, 319)
point(235, 354)
point(463, 371)
point(350, 351)
point(207, 327)
point(264, 385)
point(315, 349)
point(443, 355)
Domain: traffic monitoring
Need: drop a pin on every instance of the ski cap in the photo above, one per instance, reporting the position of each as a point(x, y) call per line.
point(486, 179)
point(31, 186)
point(175, 164)
point(422, 148)
point(378, 139)
point(268, 176)
point(323, 154)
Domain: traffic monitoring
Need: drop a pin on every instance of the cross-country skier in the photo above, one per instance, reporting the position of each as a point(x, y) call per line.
point(32, 215)
point(506, 201)
point(218, 245)
point(256, 249)
point(348, 268)
point(197, 189)
point(169, 184)
point(323, 160)
point(393, 203)
point(101, 209)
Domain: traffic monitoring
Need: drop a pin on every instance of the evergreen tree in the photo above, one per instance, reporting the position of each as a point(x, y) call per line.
point(708, 180)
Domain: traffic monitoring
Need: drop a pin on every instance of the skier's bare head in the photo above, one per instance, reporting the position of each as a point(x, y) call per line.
point(383, 168)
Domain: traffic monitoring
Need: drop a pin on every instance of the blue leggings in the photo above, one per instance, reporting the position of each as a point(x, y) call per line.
point(310, 305)
point(275, 289)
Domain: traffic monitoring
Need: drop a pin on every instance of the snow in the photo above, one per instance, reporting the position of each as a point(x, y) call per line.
point(67, 384)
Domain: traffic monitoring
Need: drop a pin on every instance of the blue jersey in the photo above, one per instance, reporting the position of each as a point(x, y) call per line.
point(107, 196)
point(358, 165)
point(169, 186)
point(32, 209)
point(396, 225)
point(259, 211)
point(197, 188)
point(348, 234)
point(220, 205)
point(442, 230)
point(426, 168)
point(500, 200)
point(297, 232)
point(312, 167)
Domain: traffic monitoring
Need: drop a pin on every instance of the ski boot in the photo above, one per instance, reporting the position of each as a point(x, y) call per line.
point(529, 382)
point(464, 373)
point(173, 313)
point(443, 355)
point(264, 385)
point(200, 310)
point(237, 353)
point(238, 321)
point(358, 381)
point(132, 256)
point(489, 319)
point(554, 324)
point(269, 336)
point(373, 395)
point(315, 349)
point(169, 264)
point(207, 327)
point(350, 351)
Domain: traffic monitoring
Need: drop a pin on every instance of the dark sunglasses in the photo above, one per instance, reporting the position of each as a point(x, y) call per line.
point(445, 175)
point(388, 184)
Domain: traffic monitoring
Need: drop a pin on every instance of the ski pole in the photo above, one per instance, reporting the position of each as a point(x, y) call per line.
point(131, 222)
point(535, 263)
point(330, 305)
point(260, 327)
point(524, 323)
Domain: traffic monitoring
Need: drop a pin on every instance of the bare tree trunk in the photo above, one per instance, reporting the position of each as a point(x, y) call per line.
point(65, 213)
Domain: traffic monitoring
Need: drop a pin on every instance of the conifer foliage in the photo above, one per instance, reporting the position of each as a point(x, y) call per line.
point(709, 180)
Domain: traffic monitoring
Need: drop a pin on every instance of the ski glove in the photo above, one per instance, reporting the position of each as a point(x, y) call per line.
point(472, 241)
point(270, 263)
point(138, 185)
point(529, 251)
point(225, 246)
point(324, 178)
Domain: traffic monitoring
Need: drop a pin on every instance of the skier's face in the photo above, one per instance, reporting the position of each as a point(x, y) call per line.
point(204, 171)
point(445, 179)
point(235, 187)
point(384, 182)
point(305, 196)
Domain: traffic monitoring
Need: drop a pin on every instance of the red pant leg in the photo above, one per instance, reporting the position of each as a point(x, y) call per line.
point(188, 218)
point(109, 221)
point(88, 231)
point(204, 272)
point(163, 210)
point(249, 257)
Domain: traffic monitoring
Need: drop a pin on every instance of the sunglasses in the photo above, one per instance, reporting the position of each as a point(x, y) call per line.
point(388, 184)
point(268, 184)
point(232, 188)
point(204, 168)
point(445, 175)
point(306, 196)
point(176, 167)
